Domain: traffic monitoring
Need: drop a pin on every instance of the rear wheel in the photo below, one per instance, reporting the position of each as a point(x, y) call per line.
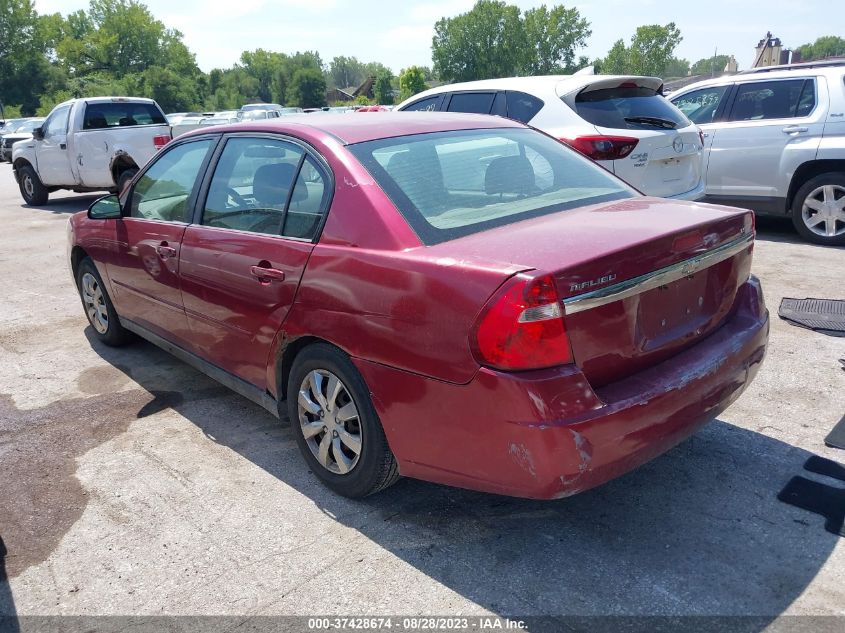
point(32, 189)
point(98, 306)
point(335, 424)
point(125, 178)
point(818, 211)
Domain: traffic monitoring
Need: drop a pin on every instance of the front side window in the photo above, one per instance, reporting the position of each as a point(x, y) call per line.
point(162, 193)
point(451, 184)
point(763, 100)
point(56, 123)
point(266, 186)
point(700, 106)
point(474, 102)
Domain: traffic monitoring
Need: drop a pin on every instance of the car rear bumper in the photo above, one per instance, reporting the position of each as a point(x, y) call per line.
point(547, 434)
point(692, 195)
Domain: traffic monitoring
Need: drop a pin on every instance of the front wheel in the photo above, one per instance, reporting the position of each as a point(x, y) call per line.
point(818, 211)
point(33, 190)
point(335, 424)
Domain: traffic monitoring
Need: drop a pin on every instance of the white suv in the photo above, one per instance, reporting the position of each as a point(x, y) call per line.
point(775, 143)
point(623, 123)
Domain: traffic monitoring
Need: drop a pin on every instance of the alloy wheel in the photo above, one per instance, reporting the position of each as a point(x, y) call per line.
point(95, 303)
point(823, 211)
point(28, 185)
point(329, 421)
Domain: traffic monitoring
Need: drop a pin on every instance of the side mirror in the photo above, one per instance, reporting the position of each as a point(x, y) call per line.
point(38, 134)
point(106, 208)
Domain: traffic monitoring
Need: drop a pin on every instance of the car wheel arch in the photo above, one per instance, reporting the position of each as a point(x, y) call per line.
point(77, 254)
point(287, 357)
point(122, 162)
point(808, 170)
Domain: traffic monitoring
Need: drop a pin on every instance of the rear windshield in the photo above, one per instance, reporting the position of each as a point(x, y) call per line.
point(629, 108)
point(121, 114)
point(451, 184)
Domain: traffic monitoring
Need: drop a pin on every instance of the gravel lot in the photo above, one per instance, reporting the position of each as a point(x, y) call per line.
point(132, 484)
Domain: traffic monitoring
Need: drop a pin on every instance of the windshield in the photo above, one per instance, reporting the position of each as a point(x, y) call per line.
point(629, 107)
point(451, 184)
point(27, 127)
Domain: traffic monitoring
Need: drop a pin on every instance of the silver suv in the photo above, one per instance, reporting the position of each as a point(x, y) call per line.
point(775, 143)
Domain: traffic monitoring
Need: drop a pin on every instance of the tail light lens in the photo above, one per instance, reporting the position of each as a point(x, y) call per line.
point(160, 140)
point(522, 327)
point(603, 147)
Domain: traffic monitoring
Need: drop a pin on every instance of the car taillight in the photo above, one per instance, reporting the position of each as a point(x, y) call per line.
point(603, 147)
point(522, 327)
point(160, 140)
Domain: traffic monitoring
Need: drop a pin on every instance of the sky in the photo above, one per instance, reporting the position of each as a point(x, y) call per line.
point(398, 33)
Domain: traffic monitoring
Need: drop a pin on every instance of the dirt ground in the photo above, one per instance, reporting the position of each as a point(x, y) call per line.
point(132, 484)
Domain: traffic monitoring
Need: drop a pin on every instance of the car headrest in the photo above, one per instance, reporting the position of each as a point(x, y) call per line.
point(510, 174)
point(271, 185)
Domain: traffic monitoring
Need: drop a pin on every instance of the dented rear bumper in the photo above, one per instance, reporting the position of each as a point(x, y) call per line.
point(547, 434)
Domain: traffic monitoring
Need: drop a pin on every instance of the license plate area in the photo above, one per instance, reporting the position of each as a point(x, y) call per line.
point(675, 311)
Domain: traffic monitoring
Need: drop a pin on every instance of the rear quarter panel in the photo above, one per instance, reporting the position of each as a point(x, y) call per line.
point(94, 150)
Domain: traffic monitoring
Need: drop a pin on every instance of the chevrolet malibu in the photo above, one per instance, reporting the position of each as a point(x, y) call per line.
point(456, 298)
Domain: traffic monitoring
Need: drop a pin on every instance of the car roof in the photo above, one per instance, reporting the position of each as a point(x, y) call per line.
point(356, 128)
point(544, 83)
point(746, 77)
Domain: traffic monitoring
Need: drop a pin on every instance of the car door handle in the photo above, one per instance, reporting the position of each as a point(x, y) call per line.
point(165, 251)
point(266, 275)
point(794, 129)
point(706, 135)
point(62, 145)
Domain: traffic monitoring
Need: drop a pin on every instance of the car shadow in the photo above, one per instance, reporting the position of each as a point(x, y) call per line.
point(8, 614)
point(67, 204)
point(698, 531)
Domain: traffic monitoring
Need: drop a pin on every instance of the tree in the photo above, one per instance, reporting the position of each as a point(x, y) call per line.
point(382, 88)
point(825, 46)
point(345, 72)
point(650, 53)
point(677, 68)
point(23, 60)
point(710, 65)
point(652, 47)
point(486, 42)
point(411, 81)
point(307, 89)
point(552, 38)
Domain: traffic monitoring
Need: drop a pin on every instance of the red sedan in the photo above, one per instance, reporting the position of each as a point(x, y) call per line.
point(456, 298)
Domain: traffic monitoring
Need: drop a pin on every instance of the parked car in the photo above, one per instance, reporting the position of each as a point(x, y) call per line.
point(175, 118)
point(8, 125)
point(623, 123)
point(775, 142)
point(20, 132)
point(498, 313)
point(257, 115)
point(90, 144)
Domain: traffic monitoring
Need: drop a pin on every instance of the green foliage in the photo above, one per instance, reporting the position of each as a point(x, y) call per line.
point(363, 100)
point(494, 39)
point(411, 81)
point(676, 68)
point(23, 54)
point(552, 37)
point(346, 72)
point(382, 88)
point(710, 65)
point(307, 89)
point(12, 112)
point(650, 52)
point(825, 46)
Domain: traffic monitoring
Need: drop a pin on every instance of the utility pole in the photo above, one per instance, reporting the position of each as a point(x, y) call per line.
point(713, 62)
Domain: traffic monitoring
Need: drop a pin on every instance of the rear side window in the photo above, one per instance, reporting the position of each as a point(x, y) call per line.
point(121, 114)
point(474, 102)
point(451, 184)
point(424, 105)
point(522, 107)
point(784, 99)
point(700, 106)
point(629, 108)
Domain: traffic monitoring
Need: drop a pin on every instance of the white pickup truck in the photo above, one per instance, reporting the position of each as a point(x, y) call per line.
point(91, 144)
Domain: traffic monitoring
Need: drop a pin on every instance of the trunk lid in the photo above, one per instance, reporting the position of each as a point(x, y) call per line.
point(640, 279)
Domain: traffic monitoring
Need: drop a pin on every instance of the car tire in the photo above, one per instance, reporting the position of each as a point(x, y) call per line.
point(32, 189)
point(124, 179)
point(98, 306)
point(820, 189)
point(348, 418)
